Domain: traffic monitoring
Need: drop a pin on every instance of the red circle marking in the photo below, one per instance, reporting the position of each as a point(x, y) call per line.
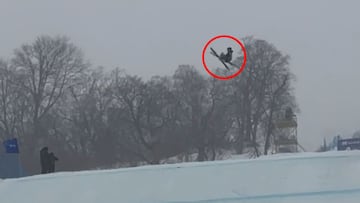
point(230, 76)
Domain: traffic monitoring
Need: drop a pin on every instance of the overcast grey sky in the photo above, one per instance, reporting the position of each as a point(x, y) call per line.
point(154, 37)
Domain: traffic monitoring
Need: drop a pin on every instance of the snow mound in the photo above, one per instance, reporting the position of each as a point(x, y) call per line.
point(307, 177)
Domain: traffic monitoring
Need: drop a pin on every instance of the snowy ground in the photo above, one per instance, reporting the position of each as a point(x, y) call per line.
point(309, 177)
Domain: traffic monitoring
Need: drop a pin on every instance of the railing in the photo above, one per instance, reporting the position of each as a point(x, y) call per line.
point(287, 123)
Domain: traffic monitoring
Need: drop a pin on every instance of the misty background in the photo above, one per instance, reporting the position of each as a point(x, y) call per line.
point(153, 37)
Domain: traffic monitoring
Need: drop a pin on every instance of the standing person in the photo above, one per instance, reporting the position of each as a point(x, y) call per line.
point(52, 160)
point(44, 160)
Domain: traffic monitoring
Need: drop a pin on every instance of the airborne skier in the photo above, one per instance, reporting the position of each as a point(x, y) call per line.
point(224, 58)
point(228, 56)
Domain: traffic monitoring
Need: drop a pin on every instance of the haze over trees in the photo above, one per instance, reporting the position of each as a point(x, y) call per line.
point(96, 118)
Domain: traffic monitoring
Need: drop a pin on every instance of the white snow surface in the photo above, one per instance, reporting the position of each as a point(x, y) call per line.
point(307, 177)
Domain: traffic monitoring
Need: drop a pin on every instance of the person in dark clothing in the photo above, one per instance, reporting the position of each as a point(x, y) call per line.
point(228, 56)
point(44, 160)
point(52, 160)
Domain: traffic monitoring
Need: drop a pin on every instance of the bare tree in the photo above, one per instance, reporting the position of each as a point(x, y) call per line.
point(144, 116)
point(49, 66)
point(84, 110)
point(12, 103)
point(220, 118)
point(197, 104)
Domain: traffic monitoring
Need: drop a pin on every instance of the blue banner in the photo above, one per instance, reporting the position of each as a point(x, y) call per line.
point(352, 143)
point(11, 146)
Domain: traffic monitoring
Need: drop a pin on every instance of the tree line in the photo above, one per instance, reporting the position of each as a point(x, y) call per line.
point(101, 118)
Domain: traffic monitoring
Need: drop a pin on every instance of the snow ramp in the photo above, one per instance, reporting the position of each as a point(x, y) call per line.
point(307, 177)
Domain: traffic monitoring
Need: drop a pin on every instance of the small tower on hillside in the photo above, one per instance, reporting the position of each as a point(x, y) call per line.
point(286, 140)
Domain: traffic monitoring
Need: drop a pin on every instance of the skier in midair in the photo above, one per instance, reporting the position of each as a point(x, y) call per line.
point(228, 56)
point(224, 58)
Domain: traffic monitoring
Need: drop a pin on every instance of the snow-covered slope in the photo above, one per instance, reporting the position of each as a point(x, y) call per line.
point(309, 177)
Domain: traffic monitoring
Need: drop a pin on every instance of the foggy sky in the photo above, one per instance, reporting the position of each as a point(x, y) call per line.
point(153, 37)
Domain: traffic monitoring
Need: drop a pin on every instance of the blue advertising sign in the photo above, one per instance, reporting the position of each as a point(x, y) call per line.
point(11, 146)
point(352, 143)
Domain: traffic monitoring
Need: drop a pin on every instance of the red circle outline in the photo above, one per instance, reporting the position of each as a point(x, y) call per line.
point(230, 76)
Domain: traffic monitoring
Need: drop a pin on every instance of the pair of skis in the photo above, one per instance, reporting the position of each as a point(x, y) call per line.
point(213, 52)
